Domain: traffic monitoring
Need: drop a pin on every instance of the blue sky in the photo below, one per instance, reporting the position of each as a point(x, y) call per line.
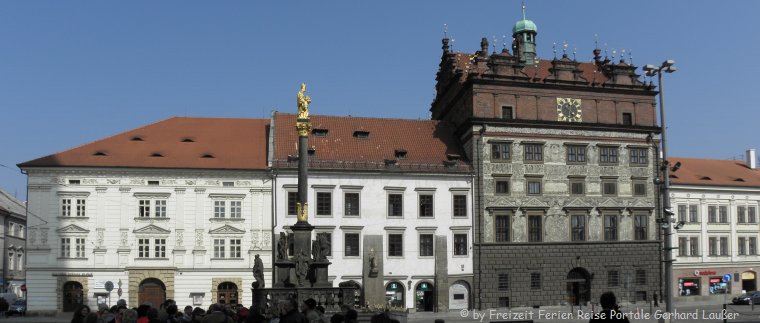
point(75, 71)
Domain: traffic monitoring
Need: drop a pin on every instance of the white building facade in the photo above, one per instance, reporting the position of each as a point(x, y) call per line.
point(400, 203)
point(166, 230)
point(717, 201)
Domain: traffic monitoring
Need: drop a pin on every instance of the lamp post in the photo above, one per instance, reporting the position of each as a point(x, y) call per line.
point(667, 211)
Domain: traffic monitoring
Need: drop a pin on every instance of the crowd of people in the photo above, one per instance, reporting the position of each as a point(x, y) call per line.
point(285, 311)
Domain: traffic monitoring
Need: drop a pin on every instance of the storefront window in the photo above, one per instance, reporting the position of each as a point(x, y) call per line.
point(688, 286)
point(394, 295)
point(717, 286)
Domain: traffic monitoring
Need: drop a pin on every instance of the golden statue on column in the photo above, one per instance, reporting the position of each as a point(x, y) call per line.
point(303, 103)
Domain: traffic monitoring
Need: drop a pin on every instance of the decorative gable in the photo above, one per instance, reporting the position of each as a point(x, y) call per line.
point(72, 229)
point(226, 229)
point(152, 229)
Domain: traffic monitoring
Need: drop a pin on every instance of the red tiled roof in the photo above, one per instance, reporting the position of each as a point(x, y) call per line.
point(205, 143)
point(426, 142)
point(694, 171)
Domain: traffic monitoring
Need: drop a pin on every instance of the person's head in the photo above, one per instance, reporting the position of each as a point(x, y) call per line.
point(102, 307)
point(290, 305)
point(352, 316)
point(608, 300)
point(129, 316)
point(82, 311)
point(320, 309)
point(188, 310)
point(121, 302)
point(337, 318)
point(91, 318)
point(152, 312)
point(171, 309)
point(214, 308)
point(309, 304)
point(169, 302)
point(142, 310)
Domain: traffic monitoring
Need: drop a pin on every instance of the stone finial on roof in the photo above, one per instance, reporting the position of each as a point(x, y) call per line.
point(484, 46)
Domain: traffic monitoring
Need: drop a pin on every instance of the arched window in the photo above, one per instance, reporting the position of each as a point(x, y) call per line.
point(227, 293)
point(394, 294)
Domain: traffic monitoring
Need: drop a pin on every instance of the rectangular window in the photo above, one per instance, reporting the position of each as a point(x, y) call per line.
point(578, 224)
point(639, 188)
point(608, 155)
point(395, 204)
point(219, 248)
point(143, 209)
point(351, 201)
point(639, 156)
point(79, 247)
point(460, 206)
point(742, 244)
point(503, 281)
point(711, 214)
point(576, 154)
point(426, 206)
point(682, 215)
point(501, 227)
point(641, 277)
point(220, 208)
point(395, 245)
point(235, 248)
point(752, 246)
point(577, 186)
point(533, 186)
point(613, 278)
point(426, 245)
point(352, 245)
point(236, 209)
point(693, 215)
point(627, 119)
point(535, 233)
point(682, 247)
point(610, 228)
point(292, 200)
point(500, 151)
point(65, 247)
point(533, 152)
point(324, 203)
point(535, 280)
point(751, 218)
point(641, 227)
point(502, 186)
point(143, 248)
point(713, 246)
point(80, 207)
point(741, 212)
point(460, 244)
point(723, 213)
point(694, 246)
point(506, 113)
point(160, 208)
point(723, 246)
point(66, 207)
point(159, 248)
point(609, 187)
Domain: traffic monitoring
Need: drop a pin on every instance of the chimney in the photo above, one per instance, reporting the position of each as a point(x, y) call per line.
point(751, 159)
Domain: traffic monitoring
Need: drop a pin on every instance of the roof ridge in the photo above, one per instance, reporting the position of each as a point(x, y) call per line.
point(361, 117)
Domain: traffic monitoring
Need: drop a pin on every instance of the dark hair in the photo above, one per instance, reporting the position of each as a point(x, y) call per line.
point(311, 303)
point(91, 318)
point(114, 309)
point(78, 312)
point(352, 315)
point(189, 307)
point(142, 310)
point(171, 309)
point(608, 300)
point(320, 309)
point(337, 318)
point(198, 312)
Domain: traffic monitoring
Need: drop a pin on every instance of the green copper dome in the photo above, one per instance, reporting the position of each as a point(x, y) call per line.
point(524, 25)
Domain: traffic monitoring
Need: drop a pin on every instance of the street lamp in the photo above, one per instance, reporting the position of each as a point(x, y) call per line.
point(667, 214)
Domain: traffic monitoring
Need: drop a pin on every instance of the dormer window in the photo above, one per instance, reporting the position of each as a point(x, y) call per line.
point(74, 182)
point(360, 134)
point(319, 132)
point(739, 180)
point(188, 140)
point(153, 183)
point(506, 113)
point(705, 178)
point(400, 154)
point(99, 153)
point(311, 151)
point(137, 138)
point(208, 156)
point(156, 155)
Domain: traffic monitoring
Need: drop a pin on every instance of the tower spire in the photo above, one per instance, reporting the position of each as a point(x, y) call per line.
point(523, 9)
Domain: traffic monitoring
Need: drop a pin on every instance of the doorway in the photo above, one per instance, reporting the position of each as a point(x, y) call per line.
point(73, 296)
point(227, 293)
point(749, 281)
point(578, 286)
point(425, 297)
point(152, 291)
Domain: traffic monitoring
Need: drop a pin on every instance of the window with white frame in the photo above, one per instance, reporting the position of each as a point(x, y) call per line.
point(460, 205)
point(460, 244)
point(220, 209)
point(11, 260)
point(351, 241)
point(66, 207)
point(222, 251)
point(79, 247)
point(426, 244)
point(351, 204)
point(158, 206)
point(236, 209)
point(228, 208)
point(151, 248)
point(65, 248)
point(79, 204)
point(81, 207)
point(426, 205)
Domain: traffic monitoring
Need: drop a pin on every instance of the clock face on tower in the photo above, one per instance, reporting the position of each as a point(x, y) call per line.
point(569, 110)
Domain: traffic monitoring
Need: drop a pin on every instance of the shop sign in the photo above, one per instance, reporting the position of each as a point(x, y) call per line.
point(704, 272)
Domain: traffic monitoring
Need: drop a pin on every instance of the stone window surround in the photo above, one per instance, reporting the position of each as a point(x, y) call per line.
point(508, 143)
point(352, 230)
point(399, 190)
point(357, 189)
point(455, 191)
point(609, 180)
point(286, 189)
point(540, 144)
point(534, 178)
point(576, 179)
point(609, 146)
point(506, 212)
point(324, 189)
point(502, 178)
point(579, 211)
point(468, 248)
point(576, 144)
point(227, 197)
point(426, 191)
point(394, 230)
